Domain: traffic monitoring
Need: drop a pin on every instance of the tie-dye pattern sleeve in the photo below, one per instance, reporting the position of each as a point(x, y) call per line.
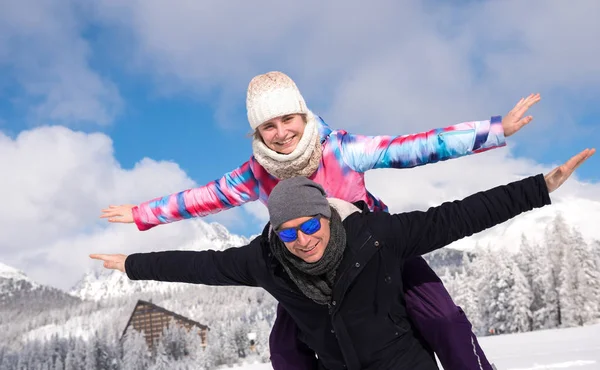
point(233, 189)
point(363, 153)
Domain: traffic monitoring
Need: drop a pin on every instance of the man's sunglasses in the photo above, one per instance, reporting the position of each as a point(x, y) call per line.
point(308, 227)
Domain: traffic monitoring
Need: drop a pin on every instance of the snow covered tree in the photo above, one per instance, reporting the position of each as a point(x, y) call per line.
point(162, 360)
point(519, 318)
point(173, 339)
point(90, 353)
point(77, 354)
point(579, 283)
point(534, 262)
point(545, 296)
point(467, 296)
point(197, 357)
point(135, 351)
point(493, 289)
point(58, 364)
point(222, 349)
point(69, 361)
point(8, 361)
point(591, 272)
point(263, 331)
point(213, 349)
point(240, 337)
point(557, 238)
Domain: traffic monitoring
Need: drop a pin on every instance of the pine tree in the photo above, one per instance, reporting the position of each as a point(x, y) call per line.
point(70, 362)
point(558, 236)
point(591, 272)
point(579, 283)
point(135, 351)
point(174, 341)
point(263, 332)
point(240, 334)
point(544, 303)
point(493, 290)
point(470, 298)
point(7, 360)
point(230, 347)
point(58, 364)
point(197, 358)
point(520, 298)
point(213, 352)
point(90, 353)
point(110, 356)
point(161, 359)
point(525, 260)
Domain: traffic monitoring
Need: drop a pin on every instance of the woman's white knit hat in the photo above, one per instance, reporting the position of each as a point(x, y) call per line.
point(271, 95)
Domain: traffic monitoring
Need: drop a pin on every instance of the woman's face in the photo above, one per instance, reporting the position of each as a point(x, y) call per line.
point(282, 134)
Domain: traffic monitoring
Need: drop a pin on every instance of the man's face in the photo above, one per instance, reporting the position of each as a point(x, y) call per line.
point(309, 248)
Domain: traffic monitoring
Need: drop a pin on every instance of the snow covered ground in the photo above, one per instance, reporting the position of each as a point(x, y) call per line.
point(573, 348)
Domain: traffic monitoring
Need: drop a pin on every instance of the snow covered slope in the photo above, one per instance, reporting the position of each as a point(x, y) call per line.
point(573, 348)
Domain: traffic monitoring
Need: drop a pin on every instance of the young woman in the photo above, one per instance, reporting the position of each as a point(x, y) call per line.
point(289, 140)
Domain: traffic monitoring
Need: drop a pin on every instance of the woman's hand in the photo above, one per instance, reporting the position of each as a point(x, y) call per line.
point(120, 214)
point(514, 120)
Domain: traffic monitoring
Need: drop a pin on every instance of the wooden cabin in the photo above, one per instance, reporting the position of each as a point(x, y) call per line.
point(151, 320)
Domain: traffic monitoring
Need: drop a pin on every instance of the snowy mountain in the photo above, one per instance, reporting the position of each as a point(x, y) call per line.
point(12, 283)
point(16, 289)
point(102, 284)
point(27, 302)
point(7, 272)
point(99, 285)
point(581, 214)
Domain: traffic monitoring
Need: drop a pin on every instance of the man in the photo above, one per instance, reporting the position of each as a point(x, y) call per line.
point(336, 268)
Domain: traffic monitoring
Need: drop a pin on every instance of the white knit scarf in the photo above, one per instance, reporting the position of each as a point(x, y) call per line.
point(303, 161)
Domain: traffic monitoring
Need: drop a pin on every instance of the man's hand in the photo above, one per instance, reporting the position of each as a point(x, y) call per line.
point(514, 120)
point(111, 261)
point(556, 177)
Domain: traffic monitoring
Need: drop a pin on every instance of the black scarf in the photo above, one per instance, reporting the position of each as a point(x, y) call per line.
point(316, 279)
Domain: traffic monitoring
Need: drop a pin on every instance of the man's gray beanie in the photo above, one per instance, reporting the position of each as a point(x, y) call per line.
point(296, 197)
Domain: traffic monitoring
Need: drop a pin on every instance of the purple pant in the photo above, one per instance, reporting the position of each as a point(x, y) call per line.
point(440, 324)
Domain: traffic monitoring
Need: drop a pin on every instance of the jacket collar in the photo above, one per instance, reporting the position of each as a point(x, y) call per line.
point(324, 129)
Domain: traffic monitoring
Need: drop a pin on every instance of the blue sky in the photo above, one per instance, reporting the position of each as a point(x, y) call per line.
point(181, 127)
point(168, 84)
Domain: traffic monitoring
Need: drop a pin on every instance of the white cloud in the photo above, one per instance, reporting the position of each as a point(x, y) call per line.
point(55, 182)
point(383, 67)
point(42, 49)
point(400, 66)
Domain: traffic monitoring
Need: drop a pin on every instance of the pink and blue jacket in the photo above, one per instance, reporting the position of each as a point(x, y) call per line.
point(346, 157)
